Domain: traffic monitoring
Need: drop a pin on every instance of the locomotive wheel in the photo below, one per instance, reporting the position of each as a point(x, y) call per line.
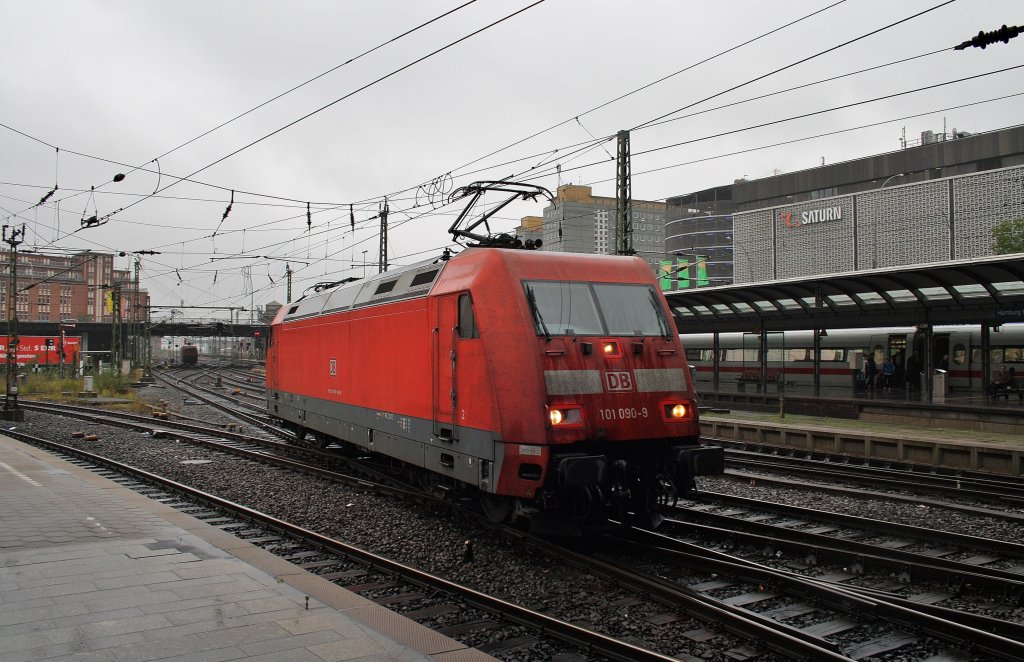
point(496, 508)
point(665, 493)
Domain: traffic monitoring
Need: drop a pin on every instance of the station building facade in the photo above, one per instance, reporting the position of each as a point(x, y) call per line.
point(698, 239)
point(77, 286)
point(581, 222)
point(936, 201)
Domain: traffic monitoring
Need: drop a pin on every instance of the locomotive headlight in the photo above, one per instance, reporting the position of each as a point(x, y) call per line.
point(611, 349)
point(678, 411)
point(564, 416)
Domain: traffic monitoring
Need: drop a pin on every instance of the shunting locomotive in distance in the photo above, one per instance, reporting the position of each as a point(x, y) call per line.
point(189, 355)
point(550, 386)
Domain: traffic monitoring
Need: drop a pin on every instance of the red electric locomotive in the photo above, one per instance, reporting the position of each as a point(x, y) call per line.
point(548, 384)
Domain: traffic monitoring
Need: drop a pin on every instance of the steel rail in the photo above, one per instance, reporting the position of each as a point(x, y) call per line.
point(839, 597)
point(890, 528)
point(561, 630)
point(861, 493)
point(874, 477)
point(776, 636)
point(851, 553)
point(252, 419)
point(769, 452)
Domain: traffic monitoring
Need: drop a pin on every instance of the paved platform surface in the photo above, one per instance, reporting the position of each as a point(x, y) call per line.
point(90, 570)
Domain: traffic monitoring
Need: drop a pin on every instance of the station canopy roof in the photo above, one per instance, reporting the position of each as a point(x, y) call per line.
point(989, 289)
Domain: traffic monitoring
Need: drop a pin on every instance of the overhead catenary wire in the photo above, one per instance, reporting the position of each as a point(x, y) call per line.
point(651, 84)
point(344, 97)
point(932, 111)
point(587, 146)
point(763, 76)
point(319, 76)
point(895, 119)
point(352, 215)
point(608, 137)
point(799, 62)
point(353, 226)
point(790, 118)
point(379, 46)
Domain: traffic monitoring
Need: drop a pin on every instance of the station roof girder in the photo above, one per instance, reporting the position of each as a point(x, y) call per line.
point(972, 291)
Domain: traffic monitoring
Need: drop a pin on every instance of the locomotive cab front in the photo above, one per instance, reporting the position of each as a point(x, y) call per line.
point(622, 429)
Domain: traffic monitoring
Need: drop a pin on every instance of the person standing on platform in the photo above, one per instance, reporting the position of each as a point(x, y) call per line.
point(998, 385)
point(914, 373)
point(888, 374)
point(870, 370)
point(1014, 385)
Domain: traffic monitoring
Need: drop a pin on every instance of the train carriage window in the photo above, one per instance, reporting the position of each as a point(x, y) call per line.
point(1013, 354)
point(795, 354)
point(833, 355)
point(695, 354)
point(467, 318)
point(959, 354)
point(738, 355)
point(996, 355)
point(975, 354)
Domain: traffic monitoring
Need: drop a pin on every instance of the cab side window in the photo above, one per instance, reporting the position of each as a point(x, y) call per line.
point(467, 319)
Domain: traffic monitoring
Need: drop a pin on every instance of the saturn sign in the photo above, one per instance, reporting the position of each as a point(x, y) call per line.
point(812, 216)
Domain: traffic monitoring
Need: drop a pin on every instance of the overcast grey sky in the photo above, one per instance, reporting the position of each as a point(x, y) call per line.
point(92, 89)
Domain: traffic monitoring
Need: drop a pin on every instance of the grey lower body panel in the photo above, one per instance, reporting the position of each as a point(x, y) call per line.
point(470, 456)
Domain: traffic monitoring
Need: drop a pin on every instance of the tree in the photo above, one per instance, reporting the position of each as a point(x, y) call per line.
point(1008, 236)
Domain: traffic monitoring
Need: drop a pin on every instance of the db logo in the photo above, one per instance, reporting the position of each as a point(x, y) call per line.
point(620, 380)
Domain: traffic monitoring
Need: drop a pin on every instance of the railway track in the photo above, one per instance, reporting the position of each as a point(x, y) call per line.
point(857, 622)
point(728, 626)
point(968, 486)
point(381, 580)
point(805, 538)
point(389, 594)
point(249, 412)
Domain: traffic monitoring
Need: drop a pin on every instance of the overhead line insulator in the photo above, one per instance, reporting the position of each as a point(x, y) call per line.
point(983, 39)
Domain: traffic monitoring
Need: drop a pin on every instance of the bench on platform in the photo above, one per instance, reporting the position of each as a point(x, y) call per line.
point(753, 376)
point(1005, 391)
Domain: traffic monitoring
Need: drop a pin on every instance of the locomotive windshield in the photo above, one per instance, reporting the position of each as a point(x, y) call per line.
point(562, 308)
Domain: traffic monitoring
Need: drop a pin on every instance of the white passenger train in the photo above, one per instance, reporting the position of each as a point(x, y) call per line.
point(790, 355)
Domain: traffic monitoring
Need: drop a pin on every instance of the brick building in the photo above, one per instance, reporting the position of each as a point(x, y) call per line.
point(77, 286)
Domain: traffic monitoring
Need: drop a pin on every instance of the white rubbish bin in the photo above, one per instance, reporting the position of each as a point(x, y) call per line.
point(940, 386)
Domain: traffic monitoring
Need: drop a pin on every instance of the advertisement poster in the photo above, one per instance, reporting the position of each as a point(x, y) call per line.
point(42, 350)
